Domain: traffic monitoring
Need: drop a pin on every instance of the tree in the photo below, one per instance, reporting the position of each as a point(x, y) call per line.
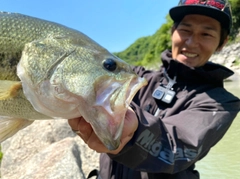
point(235, 4)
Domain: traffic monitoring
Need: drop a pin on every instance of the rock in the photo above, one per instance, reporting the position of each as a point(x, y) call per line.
point(47, 149)
point(228, 57)
point(60, 160)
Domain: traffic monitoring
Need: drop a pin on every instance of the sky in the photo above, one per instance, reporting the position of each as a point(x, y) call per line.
point(114, 24)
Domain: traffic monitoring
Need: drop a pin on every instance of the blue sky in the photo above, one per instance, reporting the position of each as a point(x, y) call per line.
point(114, 24)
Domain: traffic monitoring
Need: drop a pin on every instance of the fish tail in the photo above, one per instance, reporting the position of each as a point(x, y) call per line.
point(10, 126)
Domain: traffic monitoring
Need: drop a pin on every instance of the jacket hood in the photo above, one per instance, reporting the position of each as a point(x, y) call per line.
point(209, 73)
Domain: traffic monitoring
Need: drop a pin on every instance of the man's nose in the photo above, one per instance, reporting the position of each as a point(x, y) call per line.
point(192, 41)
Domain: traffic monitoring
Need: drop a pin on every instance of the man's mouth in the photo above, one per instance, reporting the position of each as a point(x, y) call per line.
point(190, 55)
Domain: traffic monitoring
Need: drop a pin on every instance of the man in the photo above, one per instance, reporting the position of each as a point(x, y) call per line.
point(184, 111)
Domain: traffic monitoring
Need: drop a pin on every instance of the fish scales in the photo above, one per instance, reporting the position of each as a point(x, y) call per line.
point(51, 71)
point(16, 30)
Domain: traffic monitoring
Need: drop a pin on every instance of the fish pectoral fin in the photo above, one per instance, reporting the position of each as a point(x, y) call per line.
point(9, 89)
point(10, 126)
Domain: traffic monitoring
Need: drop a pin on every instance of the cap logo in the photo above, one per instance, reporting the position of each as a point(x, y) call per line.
point(212, 3)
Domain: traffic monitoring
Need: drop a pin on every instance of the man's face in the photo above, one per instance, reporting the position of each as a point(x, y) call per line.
point(195, 39)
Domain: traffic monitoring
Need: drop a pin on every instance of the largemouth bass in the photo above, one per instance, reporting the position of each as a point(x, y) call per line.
point(48, 70)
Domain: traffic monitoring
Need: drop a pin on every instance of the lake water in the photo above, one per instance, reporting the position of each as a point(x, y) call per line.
point(223, 161)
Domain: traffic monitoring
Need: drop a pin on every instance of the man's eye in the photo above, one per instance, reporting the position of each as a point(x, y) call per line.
point(207, 35)
point(184, 30)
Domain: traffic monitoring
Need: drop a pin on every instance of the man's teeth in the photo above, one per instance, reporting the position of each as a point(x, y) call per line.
point(191, 55)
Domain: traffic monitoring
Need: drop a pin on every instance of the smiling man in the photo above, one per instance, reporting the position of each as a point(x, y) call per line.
point(184, 110)
point(195, 39)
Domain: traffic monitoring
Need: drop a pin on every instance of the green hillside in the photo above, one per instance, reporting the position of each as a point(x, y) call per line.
point(146, 51)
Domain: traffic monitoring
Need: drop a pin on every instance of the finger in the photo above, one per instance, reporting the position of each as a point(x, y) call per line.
point(95, 144)
point(85, 129)
point(73, 123)
point(130, 123)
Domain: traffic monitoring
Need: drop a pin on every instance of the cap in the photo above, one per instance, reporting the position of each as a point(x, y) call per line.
point(217, 9)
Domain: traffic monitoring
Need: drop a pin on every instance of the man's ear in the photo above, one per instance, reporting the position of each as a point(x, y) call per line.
point(224, 43)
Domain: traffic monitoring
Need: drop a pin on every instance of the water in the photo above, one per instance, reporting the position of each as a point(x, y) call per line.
point(223, 161)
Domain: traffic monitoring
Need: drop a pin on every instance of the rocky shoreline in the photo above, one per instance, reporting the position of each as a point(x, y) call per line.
point(47, 149)
point(229, 57)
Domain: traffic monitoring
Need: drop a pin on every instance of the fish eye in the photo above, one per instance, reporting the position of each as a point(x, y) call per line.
point(110, 64)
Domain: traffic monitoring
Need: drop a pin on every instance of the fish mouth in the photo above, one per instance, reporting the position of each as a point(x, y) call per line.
point(113, 102)
point(134, 87)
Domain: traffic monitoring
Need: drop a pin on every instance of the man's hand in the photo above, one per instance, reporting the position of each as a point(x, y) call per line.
point(89, 137)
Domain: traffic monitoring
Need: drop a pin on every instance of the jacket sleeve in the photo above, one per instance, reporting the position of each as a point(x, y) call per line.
point(173, 142)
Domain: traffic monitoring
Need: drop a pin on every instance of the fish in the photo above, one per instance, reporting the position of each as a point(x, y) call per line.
point(51, 71)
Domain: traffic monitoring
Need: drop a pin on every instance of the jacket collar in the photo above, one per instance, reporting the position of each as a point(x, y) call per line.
point(209, 73)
